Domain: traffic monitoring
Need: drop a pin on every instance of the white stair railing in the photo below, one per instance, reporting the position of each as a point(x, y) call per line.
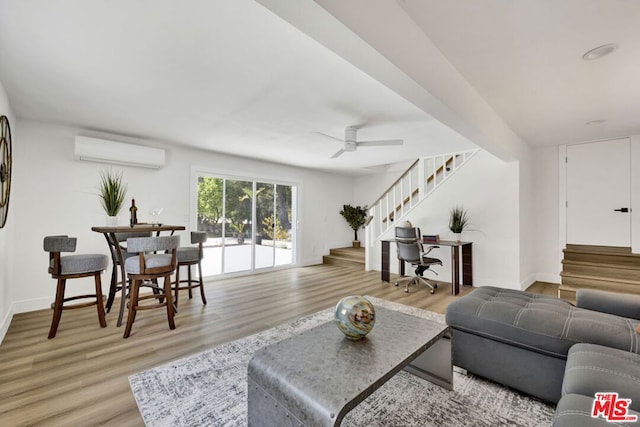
point(414, 185)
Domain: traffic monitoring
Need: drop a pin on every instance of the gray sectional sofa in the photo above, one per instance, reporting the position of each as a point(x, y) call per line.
point(523, 340)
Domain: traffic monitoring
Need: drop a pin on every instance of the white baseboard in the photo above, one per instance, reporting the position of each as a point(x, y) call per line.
point(4, 326)
point(527, 281)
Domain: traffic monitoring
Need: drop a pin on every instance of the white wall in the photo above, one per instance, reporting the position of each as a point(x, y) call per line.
point(6, 233)
point(489, 188)
point(546, 211)
point(527, 219)
point(55, 194)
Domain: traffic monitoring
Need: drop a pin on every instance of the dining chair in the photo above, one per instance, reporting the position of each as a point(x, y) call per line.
point(66, 267)
point(120, 284)
point(189, 256)
point(147, 267)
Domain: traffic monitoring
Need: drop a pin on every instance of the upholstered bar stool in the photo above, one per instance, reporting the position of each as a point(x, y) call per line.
point(189, 256)
point(147, 267)
point(116, 283)
point(72, 267)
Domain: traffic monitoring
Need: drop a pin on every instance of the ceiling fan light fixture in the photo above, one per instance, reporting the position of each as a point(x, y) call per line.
point(600, 51)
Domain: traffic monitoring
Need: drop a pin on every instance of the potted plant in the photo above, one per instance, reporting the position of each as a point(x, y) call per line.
point(112, 194)
point(356, 216)
point(458, 221)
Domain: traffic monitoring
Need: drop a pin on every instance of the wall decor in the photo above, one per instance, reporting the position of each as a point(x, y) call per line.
point(5, 168)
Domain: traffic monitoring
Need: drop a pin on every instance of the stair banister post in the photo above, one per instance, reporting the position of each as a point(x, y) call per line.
point(422, 179)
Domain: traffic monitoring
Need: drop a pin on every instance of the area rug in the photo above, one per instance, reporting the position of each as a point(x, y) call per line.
point(209, 389)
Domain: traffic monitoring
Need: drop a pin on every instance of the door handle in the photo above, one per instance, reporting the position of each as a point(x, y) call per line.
point(623, 210)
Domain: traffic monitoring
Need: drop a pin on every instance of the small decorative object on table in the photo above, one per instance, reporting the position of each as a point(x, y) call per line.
point(430, 238)
point(134, 213)
point(112, 194)
point(458, 221)
point(155, 216)
point(355, 316)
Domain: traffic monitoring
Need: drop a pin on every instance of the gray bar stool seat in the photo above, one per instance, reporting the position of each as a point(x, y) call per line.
point(189, 256)
point(72, 267)
point(146, 267)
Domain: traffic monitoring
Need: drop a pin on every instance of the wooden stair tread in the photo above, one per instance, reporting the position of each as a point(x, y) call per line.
point(599, 250)
point(348, 255)
point(600, 278)
point(603, 264)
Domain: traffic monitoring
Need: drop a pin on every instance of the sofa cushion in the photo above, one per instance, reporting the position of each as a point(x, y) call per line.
point(574, 410)
point(594, 368)
point(539, 323)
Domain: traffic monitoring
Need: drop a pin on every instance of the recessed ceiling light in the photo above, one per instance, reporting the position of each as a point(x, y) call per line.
point(595, 122)
point(600, 51)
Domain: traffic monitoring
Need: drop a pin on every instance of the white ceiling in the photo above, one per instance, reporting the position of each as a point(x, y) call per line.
point(525, 59)
point(232, 77)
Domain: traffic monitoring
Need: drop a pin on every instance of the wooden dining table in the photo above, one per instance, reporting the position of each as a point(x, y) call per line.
point(117, 256)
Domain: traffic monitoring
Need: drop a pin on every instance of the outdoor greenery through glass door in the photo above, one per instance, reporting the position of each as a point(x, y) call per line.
point(226, 211)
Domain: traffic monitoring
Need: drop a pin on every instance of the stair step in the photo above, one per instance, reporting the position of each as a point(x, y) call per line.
point(598, 249)
point(354, 257)
point(568, 292)
point(353, 253)
point(601, 270)
point(578, 281)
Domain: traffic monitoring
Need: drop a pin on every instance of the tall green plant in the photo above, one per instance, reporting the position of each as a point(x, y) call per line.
point(112, 192)
point(356, 216)
point(458, 219)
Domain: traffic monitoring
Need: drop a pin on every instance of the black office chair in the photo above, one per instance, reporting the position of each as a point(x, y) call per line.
point(410, 249)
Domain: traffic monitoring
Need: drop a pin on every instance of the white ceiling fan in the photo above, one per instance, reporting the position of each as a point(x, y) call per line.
point(351, 142)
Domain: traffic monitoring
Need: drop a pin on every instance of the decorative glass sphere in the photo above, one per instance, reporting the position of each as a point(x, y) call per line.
point(355, 316)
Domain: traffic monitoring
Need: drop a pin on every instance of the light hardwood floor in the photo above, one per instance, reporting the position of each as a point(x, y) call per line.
point(80, 376)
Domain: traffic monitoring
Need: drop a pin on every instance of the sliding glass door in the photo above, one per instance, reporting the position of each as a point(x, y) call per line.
point(248, 221)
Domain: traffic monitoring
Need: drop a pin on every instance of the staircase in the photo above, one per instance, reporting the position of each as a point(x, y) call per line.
point(351, 257)
point(414, 185)
point(606, 268)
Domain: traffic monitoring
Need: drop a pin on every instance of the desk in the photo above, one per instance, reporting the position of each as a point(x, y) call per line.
point(467, 262)
point(118, 259)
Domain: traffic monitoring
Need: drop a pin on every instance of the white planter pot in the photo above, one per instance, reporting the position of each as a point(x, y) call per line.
point(457, 237)
point(112, 221)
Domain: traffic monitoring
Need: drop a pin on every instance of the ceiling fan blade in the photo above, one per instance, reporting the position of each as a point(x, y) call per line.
point(329, 136)
point(380, 142)
point(339, 153)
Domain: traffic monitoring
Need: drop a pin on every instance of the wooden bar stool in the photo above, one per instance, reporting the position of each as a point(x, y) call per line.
point(147, 267)
point(189, 256)
point(120, 284)
point(72, 267)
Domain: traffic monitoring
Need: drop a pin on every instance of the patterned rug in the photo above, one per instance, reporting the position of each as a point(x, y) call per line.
point(209, 389)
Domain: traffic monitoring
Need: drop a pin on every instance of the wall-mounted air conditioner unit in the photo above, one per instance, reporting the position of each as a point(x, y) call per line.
point(104, 151)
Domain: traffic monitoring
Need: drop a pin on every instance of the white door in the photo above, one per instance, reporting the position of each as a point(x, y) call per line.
point(599, 193)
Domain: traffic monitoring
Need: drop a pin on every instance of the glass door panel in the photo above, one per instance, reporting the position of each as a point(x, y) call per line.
point(265, 225)
point(283, 227)
point(238, 198)
point(249, 224)
point(210, 219)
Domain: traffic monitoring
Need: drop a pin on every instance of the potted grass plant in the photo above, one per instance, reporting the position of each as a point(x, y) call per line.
point(356, 216)
point(112, 195)
point(458, 221)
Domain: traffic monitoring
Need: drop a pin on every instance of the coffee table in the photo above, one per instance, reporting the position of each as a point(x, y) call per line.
point(315, 378)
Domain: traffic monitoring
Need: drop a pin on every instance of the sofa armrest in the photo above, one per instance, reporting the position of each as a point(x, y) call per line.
point(625, 305)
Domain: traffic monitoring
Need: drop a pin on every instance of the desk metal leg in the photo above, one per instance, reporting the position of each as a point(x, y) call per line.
point(467, 265)
point(455, 270)
point(384, 274)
